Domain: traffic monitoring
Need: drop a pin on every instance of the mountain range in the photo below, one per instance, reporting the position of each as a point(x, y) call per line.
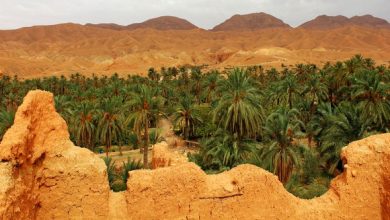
point(250, 22)
point(253, 39)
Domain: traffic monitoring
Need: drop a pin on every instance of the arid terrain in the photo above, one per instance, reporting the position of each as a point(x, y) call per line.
point(299, 141)
point(254, 39)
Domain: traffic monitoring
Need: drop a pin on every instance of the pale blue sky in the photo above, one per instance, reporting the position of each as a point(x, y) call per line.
point(203, 13)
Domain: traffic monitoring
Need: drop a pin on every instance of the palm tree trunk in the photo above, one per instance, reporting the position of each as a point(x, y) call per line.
point(186, 130)
point(146, 146)
point(108, 142)
point(156, 133)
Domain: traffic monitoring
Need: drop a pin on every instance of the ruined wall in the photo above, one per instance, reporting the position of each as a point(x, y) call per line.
point(162, 156)
point(184, 191)
point(44, 176)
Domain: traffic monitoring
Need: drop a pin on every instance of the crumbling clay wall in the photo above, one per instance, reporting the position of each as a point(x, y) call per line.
point(162, 156)
point(44, 176)
point(184, 191)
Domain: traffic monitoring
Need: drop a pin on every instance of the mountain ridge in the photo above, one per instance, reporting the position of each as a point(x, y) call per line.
point(69, 48)
point(331, 22)
point(254, 21)
point(158, 23)
point(244, 22)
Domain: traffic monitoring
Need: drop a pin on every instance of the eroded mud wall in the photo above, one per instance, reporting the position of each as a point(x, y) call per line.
point(248, 192)
point(45, 175)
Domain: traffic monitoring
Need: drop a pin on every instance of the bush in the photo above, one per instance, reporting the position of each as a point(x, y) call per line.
point(117, 179)
point(130, 165)
point(118, 186)
point(318, 187)
point(111, 173)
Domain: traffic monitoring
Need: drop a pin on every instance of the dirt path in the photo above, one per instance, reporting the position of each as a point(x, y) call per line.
point(168, 134)
point(117, 206)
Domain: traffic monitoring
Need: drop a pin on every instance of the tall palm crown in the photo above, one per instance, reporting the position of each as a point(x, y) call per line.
point(239, 110)
point(344, 126)
point(187, 115)
point(372, 94)
point(223, 151)
point(280, 129)
point(83, 125)
point(110, 126)
point(144, 105)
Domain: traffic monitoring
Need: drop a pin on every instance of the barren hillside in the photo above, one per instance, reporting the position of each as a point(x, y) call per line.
point(330, 22)
point(253, 21)
point(69, 48)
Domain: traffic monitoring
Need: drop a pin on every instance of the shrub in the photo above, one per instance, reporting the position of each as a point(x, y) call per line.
point(111, 173)
point(130, 165)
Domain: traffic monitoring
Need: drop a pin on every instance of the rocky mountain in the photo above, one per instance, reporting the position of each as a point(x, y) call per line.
point(164, 23)
point(112, 26)
point(370, 21)
point(330, 22)
point(108, 48)
point(253, 21)
point(159, 23)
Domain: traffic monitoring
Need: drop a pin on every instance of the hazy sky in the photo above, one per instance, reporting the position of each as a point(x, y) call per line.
point(203, 13)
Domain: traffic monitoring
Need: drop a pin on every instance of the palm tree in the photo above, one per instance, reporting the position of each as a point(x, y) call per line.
point(239, 110)
point(153, 75)
point(319, 122)
point(371, 94)
point(6, 121)
point(109, 126)
point(345, 126)
point(196, 77)
point(316, 90)
point(210, 84)
point(287, 88)
point(222, 151)
point(83, 124)
point(280, 130)
point(144, 105)
point(187, 115)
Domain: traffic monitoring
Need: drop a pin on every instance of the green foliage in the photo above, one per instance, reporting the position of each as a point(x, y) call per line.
point(6, 121)
point(345, 126)
point(117, 178)
point(187, 115)
point(248, 115)
point(129, 166)
point(239, 110)
point(111, 173)
point(308, 191)
point(281, 128)
point(223, 151)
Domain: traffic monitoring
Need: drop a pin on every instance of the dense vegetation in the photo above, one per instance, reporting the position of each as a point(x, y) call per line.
point(292, 122)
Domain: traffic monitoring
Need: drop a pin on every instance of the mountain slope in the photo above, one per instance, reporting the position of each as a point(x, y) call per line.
point(159, 23)
point(69, 48)
point(164, 23)
point(370, 21)
point(253, 21)
point(330, 22)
